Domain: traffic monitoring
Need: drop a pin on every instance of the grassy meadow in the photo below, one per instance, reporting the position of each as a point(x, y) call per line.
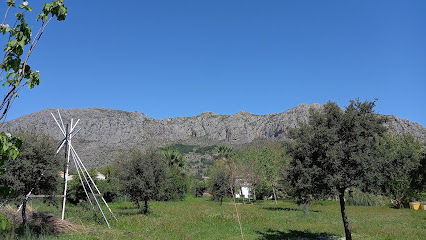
point(201, 218)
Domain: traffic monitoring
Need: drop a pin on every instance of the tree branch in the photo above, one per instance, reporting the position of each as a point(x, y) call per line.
point(5, 15)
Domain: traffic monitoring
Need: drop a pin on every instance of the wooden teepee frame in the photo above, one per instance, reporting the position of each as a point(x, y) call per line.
point(69, 132)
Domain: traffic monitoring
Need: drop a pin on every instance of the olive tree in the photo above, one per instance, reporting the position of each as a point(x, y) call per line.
point(220, 181)
point(35, 170)
point(335, 151)
point(141, 176)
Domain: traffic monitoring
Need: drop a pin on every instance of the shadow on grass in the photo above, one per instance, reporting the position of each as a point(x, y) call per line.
point(287, 209)
point(126, 207)
point(271, 234)
point(135, 212)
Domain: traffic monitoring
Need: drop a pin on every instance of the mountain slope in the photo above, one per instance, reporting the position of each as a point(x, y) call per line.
point(105, 133)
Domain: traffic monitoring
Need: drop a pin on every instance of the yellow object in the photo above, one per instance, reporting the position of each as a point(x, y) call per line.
point(416, 205)
point(423, 206)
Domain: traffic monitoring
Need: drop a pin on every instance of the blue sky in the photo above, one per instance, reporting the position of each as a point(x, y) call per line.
point(169, 58)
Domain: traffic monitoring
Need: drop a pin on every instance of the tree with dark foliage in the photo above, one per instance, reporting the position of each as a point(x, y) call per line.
point(220, 181)
point(141, 176)
point(176, 182)
point(335, 152)
point(35, 170)
point(221, 177)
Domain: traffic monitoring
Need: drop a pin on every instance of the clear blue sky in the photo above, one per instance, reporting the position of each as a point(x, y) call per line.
point(168, 58)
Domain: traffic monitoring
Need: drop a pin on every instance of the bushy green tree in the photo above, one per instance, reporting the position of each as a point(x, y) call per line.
point(141, 176)
point(419, 175)
point(174, 186)
point(269, 161)
point(335, 151)
point(35, 170)
point(176, 182)
point(76, 194)
point(109, 188)
point(400, 159)
point(75, 190)
point(263, 189)
point(220, 180)
point(222, 175)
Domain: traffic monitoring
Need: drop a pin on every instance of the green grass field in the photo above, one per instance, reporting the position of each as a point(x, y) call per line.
point(201, 218)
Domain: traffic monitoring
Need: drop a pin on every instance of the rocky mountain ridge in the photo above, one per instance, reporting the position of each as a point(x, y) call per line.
point(105, 133)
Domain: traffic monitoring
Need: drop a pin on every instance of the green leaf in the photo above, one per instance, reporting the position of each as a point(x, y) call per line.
point(3, 222)
point(9, 74)
point(6, 191)
point(12, 43)
point(14, 154)
point(5, 147)
point(10, 3)
point(40, 16)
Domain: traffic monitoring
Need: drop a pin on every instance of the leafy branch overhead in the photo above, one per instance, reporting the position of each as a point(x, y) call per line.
point(14, 65)
point(17, 72)
point(9, 148)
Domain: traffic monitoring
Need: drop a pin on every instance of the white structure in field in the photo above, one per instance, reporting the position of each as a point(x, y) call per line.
point(245, 188)
point(69, 132)
point(244, 193)
point(100, 176)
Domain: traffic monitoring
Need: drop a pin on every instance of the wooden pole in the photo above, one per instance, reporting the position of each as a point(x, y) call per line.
point(69, 133)
point(67, 155)
point(75, 157)
point(93, 182)
point(81, 180)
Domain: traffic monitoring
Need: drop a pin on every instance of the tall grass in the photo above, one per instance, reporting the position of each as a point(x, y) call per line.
point(359, 198)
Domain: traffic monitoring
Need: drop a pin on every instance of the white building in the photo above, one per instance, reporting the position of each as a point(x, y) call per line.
point(245, 188)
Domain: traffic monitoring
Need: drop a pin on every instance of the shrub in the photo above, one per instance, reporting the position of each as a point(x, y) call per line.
point(108, 188)
point(359, 198)
point(174, 186)
point(199, 187)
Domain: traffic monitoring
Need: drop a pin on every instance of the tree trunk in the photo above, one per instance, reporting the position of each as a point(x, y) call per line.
point(254, 194)
point(24, 215)
point(242, 194)
point(344, 216)
point(275, 196)
point(305, 209)
point(221, 199)
point(145, 207)
point(398, 203)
